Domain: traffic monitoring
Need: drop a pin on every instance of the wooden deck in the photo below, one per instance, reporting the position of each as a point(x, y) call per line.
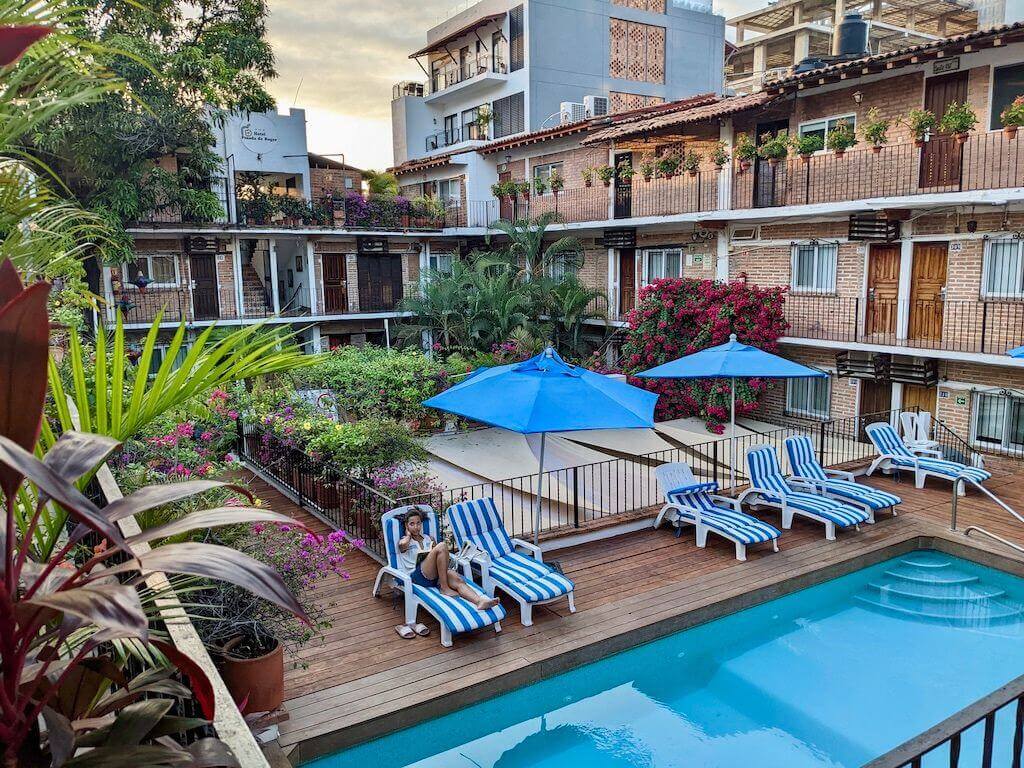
point(361, 679)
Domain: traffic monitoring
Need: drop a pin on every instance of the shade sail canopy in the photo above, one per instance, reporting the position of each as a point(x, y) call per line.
point(731, 360)
point(439, 45)
point(546, 394)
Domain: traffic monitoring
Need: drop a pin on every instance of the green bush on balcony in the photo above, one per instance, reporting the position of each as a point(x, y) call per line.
point(876, 129)
point(842, 137)
point(807, 145)
point(774, 148)
point(959, 119)
point(921, 122)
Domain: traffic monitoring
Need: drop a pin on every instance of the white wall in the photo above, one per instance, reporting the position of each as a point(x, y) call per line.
point(265, 142)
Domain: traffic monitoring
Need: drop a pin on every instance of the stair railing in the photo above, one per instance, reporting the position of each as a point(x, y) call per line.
point(958, 484)
point(997, 537)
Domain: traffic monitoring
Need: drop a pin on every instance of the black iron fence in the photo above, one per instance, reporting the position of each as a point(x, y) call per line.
point(954, 325)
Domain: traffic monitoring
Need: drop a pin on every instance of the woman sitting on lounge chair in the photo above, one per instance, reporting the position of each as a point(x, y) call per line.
point(429, 563)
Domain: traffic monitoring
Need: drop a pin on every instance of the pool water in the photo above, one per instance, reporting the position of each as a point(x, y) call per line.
point(834, 675)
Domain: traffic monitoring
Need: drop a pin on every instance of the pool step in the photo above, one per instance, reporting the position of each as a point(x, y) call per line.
point(930, 587)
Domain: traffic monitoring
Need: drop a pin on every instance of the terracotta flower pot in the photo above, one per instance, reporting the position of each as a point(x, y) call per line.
point(840, 152)
point(773, 161)
point(744, 165)
point(670, 174)
point(648, 176)
point(1010, 131)
point(876, 148)
point(606, 183)
point(256, 685)
point(693, 174)
point(805, 158)
point(960, 138)
point(919, 143)
point(588, 182)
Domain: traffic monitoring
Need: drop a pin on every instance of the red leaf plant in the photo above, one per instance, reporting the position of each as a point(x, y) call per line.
point(60, 614)
point(679, 316)
point(14, 41)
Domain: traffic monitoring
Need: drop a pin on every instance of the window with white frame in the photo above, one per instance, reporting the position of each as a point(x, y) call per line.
point(999, 421)
point(449, 192)
point(440, 262)
point(161, 268)
point(821, 128)
point(160, 354)
point(809, 397)
point(814, 267)
point(544, 171)
point(1002, 272)
point(662, 262)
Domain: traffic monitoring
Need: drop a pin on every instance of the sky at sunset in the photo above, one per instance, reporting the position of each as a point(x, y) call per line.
point(341, 58)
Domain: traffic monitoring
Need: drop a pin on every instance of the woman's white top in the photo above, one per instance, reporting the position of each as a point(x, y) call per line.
point(408, 558)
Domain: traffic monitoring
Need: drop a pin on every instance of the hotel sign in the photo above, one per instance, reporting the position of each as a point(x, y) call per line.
point(941, 66)
point(624, 237)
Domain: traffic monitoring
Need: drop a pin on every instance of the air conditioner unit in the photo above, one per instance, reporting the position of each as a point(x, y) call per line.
point(572, 112)
point(595, 106)
point(744, 233)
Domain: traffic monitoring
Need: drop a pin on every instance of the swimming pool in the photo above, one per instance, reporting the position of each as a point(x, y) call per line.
point(833, 675)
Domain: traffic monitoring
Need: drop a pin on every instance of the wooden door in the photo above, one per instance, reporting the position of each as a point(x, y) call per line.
point(506, 205)
point(205, 303)
point(769, 180)
point(941, 155)
point(623, 189)
point(883, 290)
point(875, 403)
point(627, 280)
point(380, 282)
point(927, 292)
point(335, 284)
point(923, 398)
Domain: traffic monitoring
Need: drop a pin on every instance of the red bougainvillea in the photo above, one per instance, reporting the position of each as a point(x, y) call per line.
point(676, 317)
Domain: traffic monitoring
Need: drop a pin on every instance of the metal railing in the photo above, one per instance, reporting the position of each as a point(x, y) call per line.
point(955, 325)
point(988, 160)
point(179, 304)
point(481, 64)
point(957, 741)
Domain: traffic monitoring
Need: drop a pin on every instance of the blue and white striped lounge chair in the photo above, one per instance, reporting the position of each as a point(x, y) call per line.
point(527, 580)
point(836, 483)
point(689, 502)
point(769, 486)
point(893, 453)
point(455, 614)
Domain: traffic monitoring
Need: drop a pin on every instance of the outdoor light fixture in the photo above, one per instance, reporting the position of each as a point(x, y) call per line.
point(858, 96)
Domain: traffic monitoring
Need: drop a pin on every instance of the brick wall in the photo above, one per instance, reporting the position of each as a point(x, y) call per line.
point(329, 182)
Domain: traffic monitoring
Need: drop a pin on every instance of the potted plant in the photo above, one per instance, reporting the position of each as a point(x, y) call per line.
point(1013, 117)
point(647, 166)
point(720, 155)
point(522, 189)
point(588, 177)
point(482, 121)
point(876, 130)
point(958, 120)
point(842, 137)
point(503, 189)
point(669, 163)
point(774, 148)
point(691, 163)
point(556, 182)
point(921, 122)
point(744, 151)
point(540, 185)
point(807, 145)
point(625, 171)
point(605, 173)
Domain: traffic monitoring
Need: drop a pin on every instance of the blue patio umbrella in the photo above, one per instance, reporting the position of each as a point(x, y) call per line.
point(546, 394)
point(1016, 352)
point(732, 361)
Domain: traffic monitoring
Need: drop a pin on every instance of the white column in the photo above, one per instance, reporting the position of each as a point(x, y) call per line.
point(722, 256)
point(273, 277)
point(108, 291)
point(895, 404)
point(801, 46)
point(725, 134)
point(314, 340)
point(760, 66)
point(313, 286)
point(236, 263)
point(904, 288)
point(424, 261)
point(613, 284)
point(387, 334)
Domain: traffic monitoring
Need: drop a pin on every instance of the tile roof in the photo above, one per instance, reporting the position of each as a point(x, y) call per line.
point(720, 107)
point(411, 166)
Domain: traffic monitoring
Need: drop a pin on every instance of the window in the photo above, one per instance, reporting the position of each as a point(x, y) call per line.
point(509, 115)
point(349, 183)
point(160, 352)
point(808, 397)
point(814, 267)
point(451, 129)
point(820, 128)
point(663, 263)
point(544, 171)
point(161, 268)
point(1007, 84)
point(1002, 272)
point(440, 262)
point(516, 55)
point(999, 421)
point(448, 192)
point(470, 129)
point(565, 266)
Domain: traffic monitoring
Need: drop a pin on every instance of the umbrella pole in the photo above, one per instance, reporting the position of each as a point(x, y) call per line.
point(540, 490)
point(732, 435)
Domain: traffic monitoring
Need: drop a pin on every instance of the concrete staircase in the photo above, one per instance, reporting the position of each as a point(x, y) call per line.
point(254, 295)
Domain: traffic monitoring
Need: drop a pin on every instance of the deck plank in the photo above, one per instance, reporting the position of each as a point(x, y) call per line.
point(360, 670)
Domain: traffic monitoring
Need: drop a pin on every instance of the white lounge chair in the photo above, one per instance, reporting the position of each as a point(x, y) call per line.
point(689, 502)
point(893, 453)
point(836, 483)
point(527, 580)
point(793, 497)
point(917, 429)
point(455, 614)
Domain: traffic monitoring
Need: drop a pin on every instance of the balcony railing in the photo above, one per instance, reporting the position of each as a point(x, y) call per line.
point(985, 161)
point(955, 326)
point(177, 304)
point(482, 64)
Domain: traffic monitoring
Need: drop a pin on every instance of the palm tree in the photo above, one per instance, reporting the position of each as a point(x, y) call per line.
point(380, 182)
point(498, 305)
point(571, 305)
point(525, 252)
point(439, 308)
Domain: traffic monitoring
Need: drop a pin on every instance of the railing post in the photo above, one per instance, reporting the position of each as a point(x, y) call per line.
point(299, 479)
point(952, 506)
point(575, 500)
point(984, 324)
point(714, 459)
point(821, 443)
point(856, 319)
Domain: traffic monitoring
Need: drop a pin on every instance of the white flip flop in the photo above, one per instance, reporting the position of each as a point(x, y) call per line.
point(421, 629)
point(405, 632)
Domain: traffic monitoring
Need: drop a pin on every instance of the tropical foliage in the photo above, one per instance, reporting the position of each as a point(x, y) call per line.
point(676, 317)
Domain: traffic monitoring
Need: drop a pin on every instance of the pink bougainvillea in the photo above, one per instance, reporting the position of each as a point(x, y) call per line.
point(676, 317)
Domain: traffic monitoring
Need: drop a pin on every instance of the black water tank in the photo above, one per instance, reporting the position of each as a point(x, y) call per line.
point(851, 37)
